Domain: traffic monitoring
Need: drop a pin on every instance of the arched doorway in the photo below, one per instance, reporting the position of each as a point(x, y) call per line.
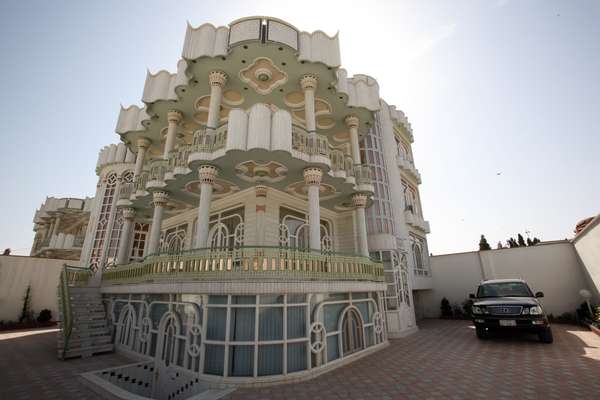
point(352, 332)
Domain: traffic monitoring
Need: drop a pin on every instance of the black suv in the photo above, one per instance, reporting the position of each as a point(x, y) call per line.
point(509, 304)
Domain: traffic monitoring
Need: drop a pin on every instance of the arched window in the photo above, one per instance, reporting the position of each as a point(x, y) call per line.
point(174, 239)
point(352, 332)
point(104, 215)
point(126, 328)
point(168, 343)
point(226, 230)
point(294, 231)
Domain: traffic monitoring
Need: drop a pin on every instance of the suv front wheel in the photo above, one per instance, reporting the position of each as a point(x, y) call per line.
point(545, 335)
point(481, 332)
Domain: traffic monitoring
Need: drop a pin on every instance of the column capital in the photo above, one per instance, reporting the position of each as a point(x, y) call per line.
point(352, 121)
point(208, 174)
point(309, 81)
point(359, 200)
point(160, 198)
point(129, 213)
point(313, 176)
point(174, 116)
point(143, 142)
point(261, 190)
point(217, 78)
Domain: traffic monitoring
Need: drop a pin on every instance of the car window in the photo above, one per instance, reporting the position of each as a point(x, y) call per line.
point(504, 289)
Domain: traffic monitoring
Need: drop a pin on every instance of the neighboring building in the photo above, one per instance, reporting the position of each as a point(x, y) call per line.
point(261, 219)
point(59, 226)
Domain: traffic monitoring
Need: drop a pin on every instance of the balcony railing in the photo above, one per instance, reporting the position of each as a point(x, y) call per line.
point(309, 143)
point(158, 169)
point(362, 174)
point(246, 263)
point(140, 181)
point(206, 141)
point(125, 191)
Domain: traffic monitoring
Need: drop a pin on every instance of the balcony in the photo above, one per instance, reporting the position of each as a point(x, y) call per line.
point(62, 245)
point(416, 221)
point(213, 145)
point(245, 263)
point(125, 193)
point(408, 166)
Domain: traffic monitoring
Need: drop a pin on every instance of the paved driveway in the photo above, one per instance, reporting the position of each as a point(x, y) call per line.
point(443, 360)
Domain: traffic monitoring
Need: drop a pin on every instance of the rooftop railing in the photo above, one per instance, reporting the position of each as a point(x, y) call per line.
point(246, 263)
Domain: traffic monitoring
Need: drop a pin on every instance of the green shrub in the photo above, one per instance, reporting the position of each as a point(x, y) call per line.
point(445, 307)
point(467, 305)
point(45, 315)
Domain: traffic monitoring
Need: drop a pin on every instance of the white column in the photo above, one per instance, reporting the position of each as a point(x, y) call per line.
point(312, 178)
point(160, 200)
point(217, 80)
point(207, 174)
point(124, 241)
point(142, 144)
point(55, 226)
point(173, 118)
point(309, 85)
point(352, 123)
point(261, 208)
point(360, 202)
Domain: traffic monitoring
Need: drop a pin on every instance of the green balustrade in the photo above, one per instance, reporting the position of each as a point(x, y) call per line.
point(245, 263)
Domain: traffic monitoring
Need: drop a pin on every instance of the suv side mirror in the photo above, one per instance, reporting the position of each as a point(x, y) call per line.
point(539, 294)
point(471, 296)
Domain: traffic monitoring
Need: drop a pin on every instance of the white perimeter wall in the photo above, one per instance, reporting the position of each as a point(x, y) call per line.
point(16, 273)
point(587, 244)
point(552, 268)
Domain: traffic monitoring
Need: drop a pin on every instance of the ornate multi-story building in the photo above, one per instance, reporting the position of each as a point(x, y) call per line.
point(260, 220)
point(60, 225)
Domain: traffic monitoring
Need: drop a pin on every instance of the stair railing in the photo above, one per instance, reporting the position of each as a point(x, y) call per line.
point(69, 276)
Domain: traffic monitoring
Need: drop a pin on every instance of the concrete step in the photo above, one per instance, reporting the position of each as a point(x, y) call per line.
point(87, 351)
point(85, 342)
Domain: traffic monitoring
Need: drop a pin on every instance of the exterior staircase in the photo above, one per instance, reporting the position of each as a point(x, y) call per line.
point(84, 329)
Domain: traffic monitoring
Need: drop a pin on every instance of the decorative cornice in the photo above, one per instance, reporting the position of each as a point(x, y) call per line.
point(309, 81)
point(313, 176)
point(160, 198)
point(217, 78)
point(208, 174)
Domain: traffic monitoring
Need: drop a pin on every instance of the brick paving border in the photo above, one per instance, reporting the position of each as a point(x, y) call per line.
point(444, 360)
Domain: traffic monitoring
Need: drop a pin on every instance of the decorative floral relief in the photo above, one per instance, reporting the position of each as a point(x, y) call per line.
point(263, 76)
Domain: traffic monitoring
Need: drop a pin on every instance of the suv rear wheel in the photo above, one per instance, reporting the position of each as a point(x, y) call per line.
point(546, 335)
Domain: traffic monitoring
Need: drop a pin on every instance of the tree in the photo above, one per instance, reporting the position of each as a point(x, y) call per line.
point(26, 313)
point(535, 241)
point(6, 252)
point(499, 245)
point(521, 241)
point(483, 244)
point(512, 243)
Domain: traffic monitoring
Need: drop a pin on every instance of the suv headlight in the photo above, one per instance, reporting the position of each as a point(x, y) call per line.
point(477, 310)
point(535, 310)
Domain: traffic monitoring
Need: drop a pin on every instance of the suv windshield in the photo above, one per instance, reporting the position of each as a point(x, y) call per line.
point(504, 289)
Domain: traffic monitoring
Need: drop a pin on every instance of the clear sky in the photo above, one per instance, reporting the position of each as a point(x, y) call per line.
point(509, 87)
